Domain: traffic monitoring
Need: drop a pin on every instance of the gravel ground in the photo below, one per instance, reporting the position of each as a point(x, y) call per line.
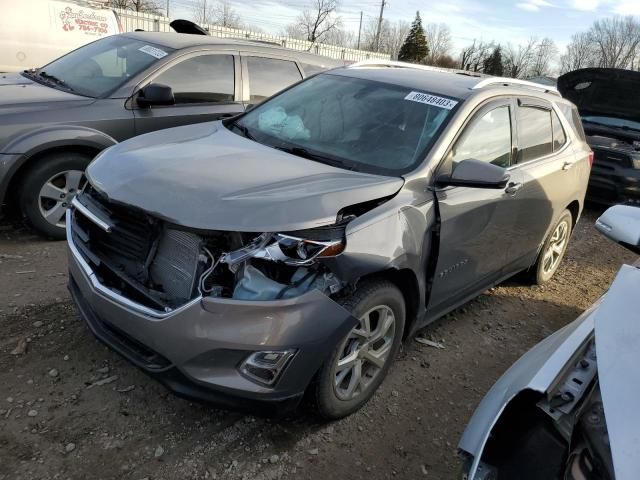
point(71, 409)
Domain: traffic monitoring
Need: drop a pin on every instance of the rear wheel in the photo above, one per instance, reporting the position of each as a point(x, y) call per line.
point(553, 249)
point(48, 189)
point(359, 364)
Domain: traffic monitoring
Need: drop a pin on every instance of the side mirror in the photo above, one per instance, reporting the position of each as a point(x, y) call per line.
point(621, 223)
point(476, 174)
point(155, 94)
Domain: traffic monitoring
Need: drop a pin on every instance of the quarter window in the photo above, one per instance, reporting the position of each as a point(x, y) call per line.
point(203, 79)
point(535, 137)
point(559, 137)
point(269, 75)
point(488, 138)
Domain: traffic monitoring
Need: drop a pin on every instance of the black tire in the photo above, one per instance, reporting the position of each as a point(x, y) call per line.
point(367, 296)
point(33, 181)
point(538, 274)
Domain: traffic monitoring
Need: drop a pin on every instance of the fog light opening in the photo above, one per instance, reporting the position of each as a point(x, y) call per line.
point(265, 367)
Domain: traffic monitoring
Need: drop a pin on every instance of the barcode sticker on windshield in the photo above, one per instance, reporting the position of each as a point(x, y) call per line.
point(431, 100)
point(153, 51)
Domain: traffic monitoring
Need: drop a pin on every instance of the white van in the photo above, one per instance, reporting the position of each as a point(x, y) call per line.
point(35, 32)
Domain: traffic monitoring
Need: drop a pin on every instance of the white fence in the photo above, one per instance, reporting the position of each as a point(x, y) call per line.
point(131, 21)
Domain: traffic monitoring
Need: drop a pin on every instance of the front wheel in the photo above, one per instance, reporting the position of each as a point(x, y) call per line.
point(553, 249)
point(48, 189)
point(359, 364)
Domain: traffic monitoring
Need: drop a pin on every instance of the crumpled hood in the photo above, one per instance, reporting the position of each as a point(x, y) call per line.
point(609, 92)
point(19, 94)
point(204, 176)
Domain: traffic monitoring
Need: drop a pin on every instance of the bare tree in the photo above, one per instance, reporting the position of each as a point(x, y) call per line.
point(146, 6)
point(474, 56)
point(392, 35)
point(319, 19)
point(225, 15)
point(543, 55)
point(581, 53)
point(203, 12)
point(341, 38)
point(439, 41)
point(616, 41)
point(517, 60)
point(122, 4)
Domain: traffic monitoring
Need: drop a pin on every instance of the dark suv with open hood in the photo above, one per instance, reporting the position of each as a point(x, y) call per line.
point(293, 248)
point(55, 119)
point(608, 100)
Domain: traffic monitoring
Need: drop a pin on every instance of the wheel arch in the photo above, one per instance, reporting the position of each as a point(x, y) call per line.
point(407, 282)
point(574, 208)
point(36, 145)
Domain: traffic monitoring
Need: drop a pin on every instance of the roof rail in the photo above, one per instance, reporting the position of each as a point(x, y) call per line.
point(515, 82)
point(394, 64)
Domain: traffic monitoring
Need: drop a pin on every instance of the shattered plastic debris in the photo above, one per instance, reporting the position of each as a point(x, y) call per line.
point(429, 343)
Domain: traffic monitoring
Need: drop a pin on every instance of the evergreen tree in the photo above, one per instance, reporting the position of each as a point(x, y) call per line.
point(493, 63)
point(415, 48)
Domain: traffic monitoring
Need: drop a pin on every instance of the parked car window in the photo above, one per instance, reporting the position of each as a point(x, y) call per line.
point(202, 79)
point(559, 137)
point(488, 138)
point(269, 75)
point(572, 116)
point(535, 137)
point(352, 123)
point(102, 66)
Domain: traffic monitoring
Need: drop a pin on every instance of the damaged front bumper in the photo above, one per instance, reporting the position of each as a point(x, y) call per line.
point(198, 349)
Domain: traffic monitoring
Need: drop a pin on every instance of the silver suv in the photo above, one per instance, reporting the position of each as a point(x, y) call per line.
point(291, 249)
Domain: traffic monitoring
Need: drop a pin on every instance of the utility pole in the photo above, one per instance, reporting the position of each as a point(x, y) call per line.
point(204, 12)
point(167, 8)
point(379, 25)
point(359, 29)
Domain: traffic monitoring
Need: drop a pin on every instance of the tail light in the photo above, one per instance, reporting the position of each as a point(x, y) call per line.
point(591, 159)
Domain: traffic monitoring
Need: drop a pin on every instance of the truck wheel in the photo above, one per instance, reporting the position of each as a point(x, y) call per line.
point(553, 249)
point(47, 191)
point(359, 364)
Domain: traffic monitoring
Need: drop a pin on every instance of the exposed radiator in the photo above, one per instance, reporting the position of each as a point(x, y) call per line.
point(175, 265)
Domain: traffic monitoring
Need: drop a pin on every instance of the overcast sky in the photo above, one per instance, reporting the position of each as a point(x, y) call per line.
point(500, 20)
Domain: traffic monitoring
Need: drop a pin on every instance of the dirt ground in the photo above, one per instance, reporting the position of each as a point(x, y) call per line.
point(56, 422)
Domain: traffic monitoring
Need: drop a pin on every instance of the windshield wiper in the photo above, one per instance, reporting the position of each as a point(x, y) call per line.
point(243, 129)
point(304, 153)
point(54, 79)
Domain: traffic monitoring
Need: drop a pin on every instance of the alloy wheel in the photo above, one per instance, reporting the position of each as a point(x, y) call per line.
point(555, 250)
point(364, 352)
point(57, 193)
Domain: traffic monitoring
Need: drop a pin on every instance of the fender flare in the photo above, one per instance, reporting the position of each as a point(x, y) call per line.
point(21, 149)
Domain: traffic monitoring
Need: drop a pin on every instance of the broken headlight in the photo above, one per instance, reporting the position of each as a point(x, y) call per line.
point(300, 251)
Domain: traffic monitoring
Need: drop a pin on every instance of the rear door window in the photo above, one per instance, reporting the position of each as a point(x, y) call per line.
point(559, 137)
point(535, 137)
point(202, 79)
point(487, 138)
point(268, 76)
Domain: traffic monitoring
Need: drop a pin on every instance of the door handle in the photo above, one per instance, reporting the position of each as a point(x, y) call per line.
point(567, 165)
point(513, 187)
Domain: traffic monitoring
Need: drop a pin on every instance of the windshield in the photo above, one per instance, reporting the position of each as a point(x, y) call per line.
point(349, 122)
point(612, 122)
point(100, 67)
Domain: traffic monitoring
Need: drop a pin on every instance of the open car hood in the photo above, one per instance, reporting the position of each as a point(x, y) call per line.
point(609, 92)
point(204, 176)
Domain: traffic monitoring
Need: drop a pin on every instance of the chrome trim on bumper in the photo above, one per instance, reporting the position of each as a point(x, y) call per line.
point(90, 215)
point(108, 293)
